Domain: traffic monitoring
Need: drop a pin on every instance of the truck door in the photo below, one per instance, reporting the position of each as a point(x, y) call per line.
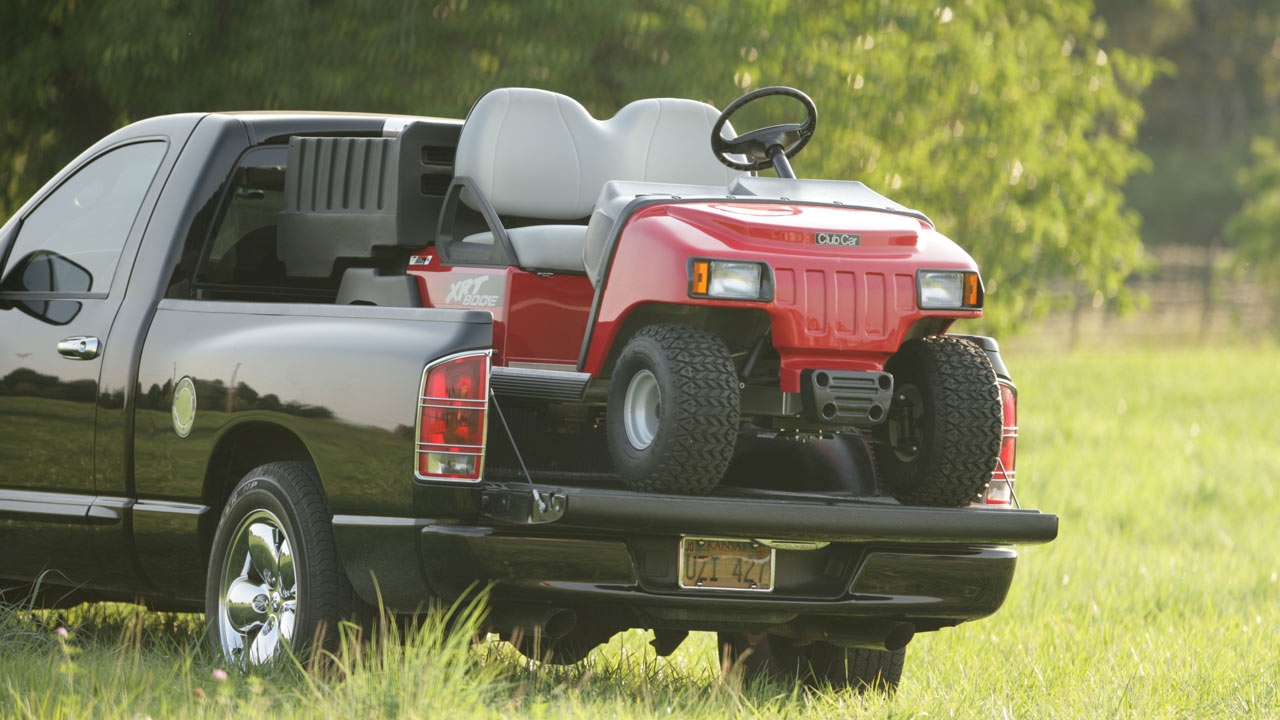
point(60, 287)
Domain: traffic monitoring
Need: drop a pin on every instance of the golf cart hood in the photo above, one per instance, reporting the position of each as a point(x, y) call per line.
point(849, 193)
point(619, 201)
point(846, 305)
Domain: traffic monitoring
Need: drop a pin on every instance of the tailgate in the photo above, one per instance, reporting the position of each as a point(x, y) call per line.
point(760, 514)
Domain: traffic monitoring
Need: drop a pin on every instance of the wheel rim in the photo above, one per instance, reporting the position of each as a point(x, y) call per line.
point(905, 421)
point(640, 409)
point(257, 598)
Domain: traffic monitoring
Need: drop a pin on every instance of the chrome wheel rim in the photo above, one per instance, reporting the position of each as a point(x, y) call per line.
point(257, 598)
point(640, 409)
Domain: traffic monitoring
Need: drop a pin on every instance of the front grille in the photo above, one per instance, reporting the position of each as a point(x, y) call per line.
point(845, 305)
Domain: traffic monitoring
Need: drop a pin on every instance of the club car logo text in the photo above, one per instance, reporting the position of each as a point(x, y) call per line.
point(471, 292)
point(835, 238)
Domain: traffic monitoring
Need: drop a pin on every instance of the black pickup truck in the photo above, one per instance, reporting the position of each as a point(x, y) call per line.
point(215, 397)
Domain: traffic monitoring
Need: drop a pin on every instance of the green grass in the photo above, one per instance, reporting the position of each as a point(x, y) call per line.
point(1159, 599)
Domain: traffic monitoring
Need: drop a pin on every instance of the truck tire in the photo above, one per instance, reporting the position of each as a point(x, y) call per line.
point(941, 438)
point(673, 410)
point(819, 663)
point(275, 583)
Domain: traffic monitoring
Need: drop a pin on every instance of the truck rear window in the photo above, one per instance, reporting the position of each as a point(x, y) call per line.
point(240, 260)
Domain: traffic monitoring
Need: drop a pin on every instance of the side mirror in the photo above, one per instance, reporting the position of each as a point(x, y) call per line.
point(47, 271)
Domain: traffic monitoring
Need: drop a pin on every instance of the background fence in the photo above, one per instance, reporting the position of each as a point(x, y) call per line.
point(1192, 294)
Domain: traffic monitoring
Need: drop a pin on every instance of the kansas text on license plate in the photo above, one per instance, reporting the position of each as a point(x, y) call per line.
point(725, 564)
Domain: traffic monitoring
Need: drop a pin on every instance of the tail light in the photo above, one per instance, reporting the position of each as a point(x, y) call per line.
point(452, 410)
point(1000, 489)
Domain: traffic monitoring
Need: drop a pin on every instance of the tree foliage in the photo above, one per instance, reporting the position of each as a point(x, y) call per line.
point(1008, 123)
point(1221, 88)
point(1256, 228)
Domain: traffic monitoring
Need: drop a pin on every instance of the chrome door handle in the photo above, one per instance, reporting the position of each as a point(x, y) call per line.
point(80, 348)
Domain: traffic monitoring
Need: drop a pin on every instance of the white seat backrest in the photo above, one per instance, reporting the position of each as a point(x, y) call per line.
point(540, 154)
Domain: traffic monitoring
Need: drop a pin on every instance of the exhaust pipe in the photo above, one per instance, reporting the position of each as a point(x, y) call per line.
point(883, 636)
point(551, 623)
point(851, 633)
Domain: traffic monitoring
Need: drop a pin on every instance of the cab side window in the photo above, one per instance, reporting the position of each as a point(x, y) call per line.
point(71, 242)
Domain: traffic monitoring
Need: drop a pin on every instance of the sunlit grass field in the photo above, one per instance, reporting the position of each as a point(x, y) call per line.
point(1161, 597)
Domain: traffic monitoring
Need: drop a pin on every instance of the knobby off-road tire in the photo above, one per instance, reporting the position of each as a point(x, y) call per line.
point(673, 410)
point(941, 438)
point(780, 659)
point(275, 583)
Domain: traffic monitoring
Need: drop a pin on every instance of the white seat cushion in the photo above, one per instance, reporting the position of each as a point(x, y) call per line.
point(540, 154)
point(543, 247)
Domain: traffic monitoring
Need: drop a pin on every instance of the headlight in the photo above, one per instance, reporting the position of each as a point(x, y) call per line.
point(728, 280)
point(949, 290)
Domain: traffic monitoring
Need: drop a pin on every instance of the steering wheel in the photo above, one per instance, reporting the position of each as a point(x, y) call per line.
point(769, 146)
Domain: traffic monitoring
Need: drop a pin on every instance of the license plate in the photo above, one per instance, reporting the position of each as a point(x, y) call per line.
point(725, 564)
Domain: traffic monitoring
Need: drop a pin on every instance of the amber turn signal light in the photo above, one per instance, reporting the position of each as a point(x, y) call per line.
point(972, 291)
point(701, 276)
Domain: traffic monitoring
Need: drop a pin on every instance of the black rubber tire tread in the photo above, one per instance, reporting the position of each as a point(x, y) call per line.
point(962, 419)
point(781, 660)
point(698, 417)
point(327, 596)
point(860, 668)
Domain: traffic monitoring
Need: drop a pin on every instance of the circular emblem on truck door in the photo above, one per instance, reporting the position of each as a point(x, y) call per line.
point(184, 406)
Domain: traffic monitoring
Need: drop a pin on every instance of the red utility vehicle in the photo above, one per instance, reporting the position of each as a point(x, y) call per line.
point(646, 284)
